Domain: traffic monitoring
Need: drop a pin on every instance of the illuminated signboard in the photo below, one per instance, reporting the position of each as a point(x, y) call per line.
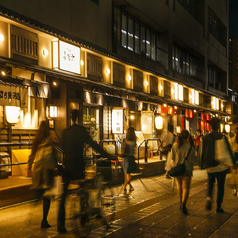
point(66, 57)
point(117, 121)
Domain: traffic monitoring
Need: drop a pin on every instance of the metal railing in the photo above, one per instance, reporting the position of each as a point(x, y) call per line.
point(10, 144)
point(146, 147)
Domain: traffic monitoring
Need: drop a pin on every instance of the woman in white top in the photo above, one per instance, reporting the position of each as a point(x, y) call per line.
point(234, 147)
point(177, 156)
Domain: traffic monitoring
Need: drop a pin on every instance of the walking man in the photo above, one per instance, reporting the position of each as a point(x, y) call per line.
point(215, 170)
point(73, 141)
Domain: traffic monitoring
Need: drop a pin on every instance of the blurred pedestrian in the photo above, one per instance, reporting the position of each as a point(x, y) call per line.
point(129, 165)
point(41, 165)
point(198, 139)
point(167, 141)
point(234, 147)
point(74, 138)
point(216, 169)
point(182, 150)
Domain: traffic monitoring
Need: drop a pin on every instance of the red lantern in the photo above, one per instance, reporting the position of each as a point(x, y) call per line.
point(207, 125)
point(182, 119)
point(164, 109)
point(186, 113)
point(202, 116)
point(170, 110)
point(190, 114)
point(207, 117)
point(202, 125)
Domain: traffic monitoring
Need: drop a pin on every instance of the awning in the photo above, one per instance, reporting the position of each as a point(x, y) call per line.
point(36, 88)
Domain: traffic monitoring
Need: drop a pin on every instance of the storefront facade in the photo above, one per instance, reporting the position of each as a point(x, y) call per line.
point(47, 75)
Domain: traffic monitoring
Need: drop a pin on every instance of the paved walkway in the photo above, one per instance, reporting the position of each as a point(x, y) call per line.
point(152, 210)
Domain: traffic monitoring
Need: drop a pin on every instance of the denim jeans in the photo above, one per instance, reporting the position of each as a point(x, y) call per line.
point(220, 177)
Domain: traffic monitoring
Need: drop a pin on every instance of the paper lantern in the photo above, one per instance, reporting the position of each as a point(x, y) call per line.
point(159, 122)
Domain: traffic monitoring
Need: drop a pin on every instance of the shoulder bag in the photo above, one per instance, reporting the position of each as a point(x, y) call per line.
point(179, 170)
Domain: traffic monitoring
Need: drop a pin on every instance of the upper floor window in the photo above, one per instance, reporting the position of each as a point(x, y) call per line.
point(136, 36)
point(183, 62)
point(216, 27)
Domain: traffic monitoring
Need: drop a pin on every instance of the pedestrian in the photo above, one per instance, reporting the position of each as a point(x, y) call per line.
point(234, 147)
point(198, 139)
point(41, 165)
point(183, 150)
point(216, 170)
point(74, 138)
point(129, 165)
point(167, 141)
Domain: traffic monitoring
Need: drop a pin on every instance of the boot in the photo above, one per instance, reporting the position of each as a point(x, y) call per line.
point(61, 227)
point(184, 209)
point(219, 209)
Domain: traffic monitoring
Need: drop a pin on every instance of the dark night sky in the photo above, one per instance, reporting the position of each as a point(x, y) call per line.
point(233, 19)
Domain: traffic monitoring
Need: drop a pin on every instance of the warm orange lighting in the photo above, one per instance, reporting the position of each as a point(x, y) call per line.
point(1, 38)
point(54, 83)
point(129, 77)
point(108, 71)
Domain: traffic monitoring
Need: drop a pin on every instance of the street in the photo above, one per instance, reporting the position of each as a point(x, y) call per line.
point(152, 210)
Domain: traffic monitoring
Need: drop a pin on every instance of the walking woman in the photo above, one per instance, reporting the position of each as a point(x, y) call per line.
point(183, 149)
point(41, 165)
point(234, 147)
point(129, 165)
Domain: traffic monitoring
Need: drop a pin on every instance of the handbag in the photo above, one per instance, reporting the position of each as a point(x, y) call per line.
point(57, 188)
point(179, 170)
point(222, 153)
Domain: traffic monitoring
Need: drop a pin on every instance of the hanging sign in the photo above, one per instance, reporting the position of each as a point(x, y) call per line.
point(13, 96)
point(66, 57)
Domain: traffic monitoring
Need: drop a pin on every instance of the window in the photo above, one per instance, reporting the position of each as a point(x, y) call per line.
point(216, 27)
point(124, 31)
point(130, 34)
point(135, 35)
point(137, 38)
point(183, 62)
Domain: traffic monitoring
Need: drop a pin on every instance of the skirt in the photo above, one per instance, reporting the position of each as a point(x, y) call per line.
point(129, 165)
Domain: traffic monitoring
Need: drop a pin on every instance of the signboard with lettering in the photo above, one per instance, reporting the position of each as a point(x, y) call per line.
point(117, 121)
point(13, 96)
point(66, 57)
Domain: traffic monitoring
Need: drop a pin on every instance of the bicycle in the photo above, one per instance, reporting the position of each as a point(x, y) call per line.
point(92, 205)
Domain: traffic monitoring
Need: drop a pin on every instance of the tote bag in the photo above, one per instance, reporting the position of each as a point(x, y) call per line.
point(222, 153)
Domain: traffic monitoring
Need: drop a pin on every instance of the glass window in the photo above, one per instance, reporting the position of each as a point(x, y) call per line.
point(153, 55)
point(142, 32)
point(130, 34)
point(137, 38)
point(124, 31)
point(148, 43)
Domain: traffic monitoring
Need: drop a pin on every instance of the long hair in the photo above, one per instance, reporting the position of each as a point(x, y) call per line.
point(130, 135)
point(42, 134)
point(236, 132)
point(184, 135)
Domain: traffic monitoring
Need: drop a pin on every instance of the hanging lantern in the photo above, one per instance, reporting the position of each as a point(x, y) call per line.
point(208, 117)
point(202, 116)
point(159, 122)
point(187, 113)
point(202, 125)
point(12, 114)
point(191, 114)
point(227, 128)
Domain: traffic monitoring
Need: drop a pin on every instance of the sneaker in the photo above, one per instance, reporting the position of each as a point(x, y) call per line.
point(208, 204)
point(220, 210)
point(45, 224)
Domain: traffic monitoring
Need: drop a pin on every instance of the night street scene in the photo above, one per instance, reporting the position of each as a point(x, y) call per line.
point(119, 118)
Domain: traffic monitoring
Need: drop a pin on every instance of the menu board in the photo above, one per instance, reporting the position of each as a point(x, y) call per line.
point(117, 121)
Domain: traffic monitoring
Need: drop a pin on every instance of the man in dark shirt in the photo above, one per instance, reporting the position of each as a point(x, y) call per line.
point(73, 142)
